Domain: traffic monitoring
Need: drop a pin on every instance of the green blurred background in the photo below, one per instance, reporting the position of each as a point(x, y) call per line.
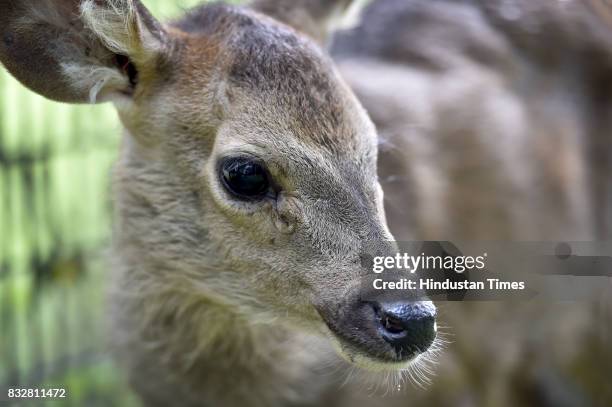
point(55, 224)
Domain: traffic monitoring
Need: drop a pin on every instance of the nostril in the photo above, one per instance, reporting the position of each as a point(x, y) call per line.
point(392, 325)
point(408, 327)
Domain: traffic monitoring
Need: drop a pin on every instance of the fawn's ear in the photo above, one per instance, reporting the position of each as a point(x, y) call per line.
point(79, 50)
point(316, 18)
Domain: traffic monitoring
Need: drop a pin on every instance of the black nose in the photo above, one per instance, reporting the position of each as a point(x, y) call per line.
point(410, 328)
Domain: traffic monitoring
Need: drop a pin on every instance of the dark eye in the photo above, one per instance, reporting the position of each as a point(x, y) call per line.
point(245, 178)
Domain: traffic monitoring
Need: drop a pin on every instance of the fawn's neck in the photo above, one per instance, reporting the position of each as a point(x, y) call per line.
point(268, 364)
point(199, 350)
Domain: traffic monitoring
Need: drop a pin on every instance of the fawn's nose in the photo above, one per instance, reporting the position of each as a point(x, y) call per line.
point(410, 328)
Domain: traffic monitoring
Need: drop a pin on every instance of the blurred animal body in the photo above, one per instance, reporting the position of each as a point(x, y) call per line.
point(494, 116)
point(495, 124)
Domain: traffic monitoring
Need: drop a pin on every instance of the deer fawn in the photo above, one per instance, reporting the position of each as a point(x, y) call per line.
point(247, 181)
point(245, 190)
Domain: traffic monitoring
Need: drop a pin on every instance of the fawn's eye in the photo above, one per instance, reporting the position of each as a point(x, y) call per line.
point(245, 178)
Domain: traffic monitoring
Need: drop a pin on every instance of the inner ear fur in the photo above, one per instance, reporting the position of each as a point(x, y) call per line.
point(78, 51)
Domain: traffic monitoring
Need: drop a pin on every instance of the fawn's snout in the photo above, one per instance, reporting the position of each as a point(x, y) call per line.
point(384, 332)
point(410, 328)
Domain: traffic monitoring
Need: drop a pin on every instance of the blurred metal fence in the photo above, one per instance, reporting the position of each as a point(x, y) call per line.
point(55, 203)
point(54, 218)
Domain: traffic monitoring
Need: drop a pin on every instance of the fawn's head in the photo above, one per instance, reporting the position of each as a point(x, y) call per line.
point(249, 171)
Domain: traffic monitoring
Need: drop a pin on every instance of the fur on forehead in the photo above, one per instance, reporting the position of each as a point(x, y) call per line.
point(282, 77)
